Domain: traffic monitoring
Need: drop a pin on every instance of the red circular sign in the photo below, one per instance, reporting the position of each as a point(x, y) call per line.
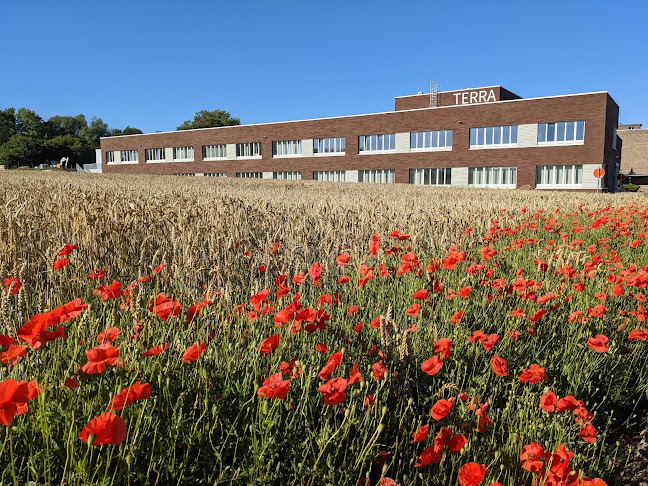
point(598, 173)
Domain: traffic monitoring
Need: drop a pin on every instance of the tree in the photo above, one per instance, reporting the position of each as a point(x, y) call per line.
point(94, 131)
point(208, 119)
point(7, 124)
point(79, 151)
point(64, 125)
point(22, 150)
point(116, 132)
point(30, 124)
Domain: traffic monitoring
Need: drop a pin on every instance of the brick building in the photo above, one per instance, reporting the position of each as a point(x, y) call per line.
point(634, 158)
point(481, 137)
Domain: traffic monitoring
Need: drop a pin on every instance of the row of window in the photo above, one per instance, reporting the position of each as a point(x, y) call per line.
point(547, 176)
point(559, 133)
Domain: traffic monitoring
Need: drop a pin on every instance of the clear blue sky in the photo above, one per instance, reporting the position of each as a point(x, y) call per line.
point(152, 65)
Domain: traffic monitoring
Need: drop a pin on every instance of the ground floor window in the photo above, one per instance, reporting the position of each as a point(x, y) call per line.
point(430, 177)
point(330, 175)
point(559, 176)
point(384, 176)
point(214, 151)
point(215, 174)
point(129, 156)
point(249, 175)
point(497, 177)
point(287, 176)
point(110, 157)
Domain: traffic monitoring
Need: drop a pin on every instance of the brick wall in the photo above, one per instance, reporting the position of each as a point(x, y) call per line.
point(635, 150)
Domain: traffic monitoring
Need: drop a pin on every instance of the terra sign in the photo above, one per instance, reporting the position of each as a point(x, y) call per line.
point(468, 97)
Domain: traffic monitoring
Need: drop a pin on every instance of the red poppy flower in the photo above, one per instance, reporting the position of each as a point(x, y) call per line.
point(442, 408)
point(534, 374)
point(532, 455)
point(588, 433)
point(275, 248)
point(559, 461)
point(342, 259)
point(464, 292)
point(11, 355)
point(457, 316)
point(374, 246)
point(112, 291)
point(274, 387)
point(193, 352)
point(290, 369)
point(457, 442)
point(421, 433)
point(499, 366)
point(70, 383)
point(108, 335)
point(164, 307)
point(97, 275)
point(128, 395)
point(155, 350)
point(333, 362)
point(158, 269)
point(269, 344)
point(375, 323)
point(107, 428)
point(443, 436)
point(598, 343)
point(432, 366)
point(471, 474)
point(12, 396)
point(333, 391)
point(413, 310)
point(321, 348)
point(344, 279)
point(490, 341)
point(431, 455)
point(67, 249)
point(354, 376)
point(100, 357)
point(421, 294)
point(58, 264)
point(352, 310)
point(443, 347)
point(358, 327)
point(548, 401)
point(379, 369)
point(16, 285)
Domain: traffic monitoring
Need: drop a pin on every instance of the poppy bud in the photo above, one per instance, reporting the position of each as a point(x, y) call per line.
point(380, 428)
point(129, 460)
point(410, 401)
point(384, 411)
point(265, 407)
point(91, 439)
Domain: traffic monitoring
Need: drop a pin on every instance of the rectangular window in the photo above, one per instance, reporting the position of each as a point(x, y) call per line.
point(329, 146)
point(377, 143)
point(214, 152)
point(249, 175)
point(495, 177)
point(561, 133)
point(559, 176)
point(110, 157)
point(184, 174)
point(385, 176)
point(248, 150)
point(156, 154)
point(287, 176)
point(330, 175)
point(493, 137)
point(287, 148)
point(430, 177)
point(431, 141)
point(129, 156)
point(183, 153)
point(215, 174)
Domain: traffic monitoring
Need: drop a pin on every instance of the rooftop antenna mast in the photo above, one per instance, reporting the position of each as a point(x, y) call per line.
point(434, 94)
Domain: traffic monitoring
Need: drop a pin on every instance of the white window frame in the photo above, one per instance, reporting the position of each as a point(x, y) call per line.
point(329, 175)
point(326, 147)
point(249, 175)
point(126, 156)
point(495, 133)
point(283, 149)
point(436, 176)
point(183, 154)
point(559, 176)
point(153, 155)
point(555, 126)
point(430, 141)
point(493, 177)
point(287, 176)
point(110, 157)
point(249, 150)
point(215, 174)
point(377, 176)
point(220, 151)
point(378, 144)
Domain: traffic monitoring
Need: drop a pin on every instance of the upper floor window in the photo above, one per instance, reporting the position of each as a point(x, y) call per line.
point(377, 143)
point(110, 157)
point(287, 148)
point(129, 156)
point(385, 176)
point(252, 149)
point(287, 176)
point(497, 177)
point(431, 177)
point(249, 175)
point(494, 137)
point(329, 146)
point(183, 153)
point(432, 140)
point(330, 175)
point(559, 176)
point(154, 154)
point(214, 152)
point(561, 133)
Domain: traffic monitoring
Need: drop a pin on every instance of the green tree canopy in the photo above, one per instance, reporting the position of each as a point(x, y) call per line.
point(209, 119)
point(115, 132)
point(78, 151)
point(22, 150)
point(94, 131)
point(7, 124)
point(68, 124)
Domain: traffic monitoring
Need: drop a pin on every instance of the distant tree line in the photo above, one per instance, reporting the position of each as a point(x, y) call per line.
point(28, 140)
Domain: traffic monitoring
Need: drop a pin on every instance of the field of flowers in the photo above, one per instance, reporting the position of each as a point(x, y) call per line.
point(169, 330)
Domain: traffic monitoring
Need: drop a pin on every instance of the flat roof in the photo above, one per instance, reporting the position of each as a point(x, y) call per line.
point(366, 114)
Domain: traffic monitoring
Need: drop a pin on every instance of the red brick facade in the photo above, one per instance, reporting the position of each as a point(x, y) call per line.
point(598, 110)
